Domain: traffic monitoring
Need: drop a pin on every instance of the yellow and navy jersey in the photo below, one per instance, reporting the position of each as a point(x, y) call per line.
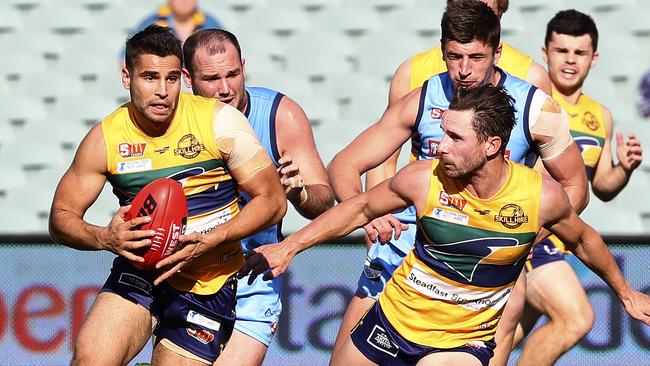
point(187, 153)
point(428, 63)
point(452, 287)
point(587, 126)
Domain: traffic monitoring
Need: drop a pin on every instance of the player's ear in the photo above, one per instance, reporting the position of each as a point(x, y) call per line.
point(492, 146)
point(544, 55)
point(594, 59)
point(126, 78)
point(442, 49)
point(187, 80)
point(243, 67)
point(497, 53)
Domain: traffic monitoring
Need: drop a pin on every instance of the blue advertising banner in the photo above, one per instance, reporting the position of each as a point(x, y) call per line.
point(45, 291)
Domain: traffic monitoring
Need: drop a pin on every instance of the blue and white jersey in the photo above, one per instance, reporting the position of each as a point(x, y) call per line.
point(262, 108)
point(434, 101)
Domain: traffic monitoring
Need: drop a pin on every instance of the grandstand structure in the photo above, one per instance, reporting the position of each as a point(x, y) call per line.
point(59, 75)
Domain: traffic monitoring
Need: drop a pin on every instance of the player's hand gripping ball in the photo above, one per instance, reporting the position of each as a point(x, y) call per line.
point(164, 201)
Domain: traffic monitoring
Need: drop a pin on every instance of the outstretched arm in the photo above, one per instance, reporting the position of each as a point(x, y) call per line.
point(399, 87)
point(609, 178)
point(78, 189)
point(409, 186)
point(373, 146)
point(557, 216)
point(302, 172)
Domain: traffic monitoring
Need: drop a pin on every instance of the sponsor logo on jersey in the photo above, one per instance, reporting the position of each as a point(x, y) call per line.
point(436, 113)
point(453, 201)
point(129, 150)
point(268, 313)
point(201, 335)
point(162, 151)
point(189, 147)
point(450, 216)
point(379, 339)
point(134, 281)
point(133, 166)
point(590, 121)
point(202, 320)
point(433, 148)
point(511, 216)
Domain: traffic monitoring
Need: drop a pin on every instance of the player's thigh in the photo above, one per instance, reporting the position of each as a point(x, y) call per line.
point(555, 290)
point(163, 356)
point(449, 359)
point(242, 350)
point(513, 310)
point(114, 331)
point(349, 354)
point(357, 307)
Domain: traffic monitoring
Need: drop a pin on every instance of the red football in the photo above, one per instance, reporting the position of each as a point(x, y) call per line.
point(164, 201)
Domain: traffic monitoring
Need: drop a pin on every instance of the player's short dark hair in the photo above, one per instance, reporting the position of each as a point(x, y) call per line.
point(573, 23)
point(153, 40)
point(494, 111)
point(213, 40)
point(467, 20)
point(502, 5)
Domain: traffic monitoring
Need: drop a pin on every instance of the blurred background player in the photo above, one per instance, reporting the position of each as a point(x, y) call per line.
point(214, 68)
point(643, 96)
point(183, 16)
point(445, 300)
point(553, 289)
point(209, 148)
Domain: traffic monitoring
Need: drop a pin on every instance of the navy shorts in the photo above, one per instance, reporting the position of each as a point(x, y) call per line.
point(200, 324)
point(376, 338)
point(544, 252)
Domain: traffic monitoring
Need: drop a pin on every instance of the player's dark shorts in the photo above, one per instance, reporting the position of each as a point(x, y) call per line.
point(544, 252)
point(200, 324)
point(376, 338)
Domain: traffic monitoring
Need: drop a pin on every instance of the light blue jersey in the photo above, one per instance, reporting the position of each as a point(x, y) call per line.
point(435, 98)
point(258, 305)
point(262, 107)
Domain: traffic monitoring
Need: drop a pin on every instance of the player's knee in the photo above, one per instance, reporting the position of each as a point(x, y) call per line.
point(579, 325)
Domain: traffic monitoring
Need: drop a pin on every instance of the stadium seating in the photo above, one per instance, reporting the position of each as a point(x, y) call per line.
point(60, 75)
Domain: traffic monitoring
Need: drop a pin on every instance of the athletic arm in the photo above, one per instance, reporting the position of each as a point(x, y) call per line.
point(300, 160)
point(399, 86)
point(538, 76)
point(557, 215)
point(609, 178)
point(77, 190)
point(559, 153)
point(373, 146)
point(408, 186)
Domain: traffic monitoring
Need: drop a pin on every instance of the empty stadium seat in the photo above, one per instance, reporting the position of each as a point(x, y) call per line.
point(336, 61)
point(10, 19)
